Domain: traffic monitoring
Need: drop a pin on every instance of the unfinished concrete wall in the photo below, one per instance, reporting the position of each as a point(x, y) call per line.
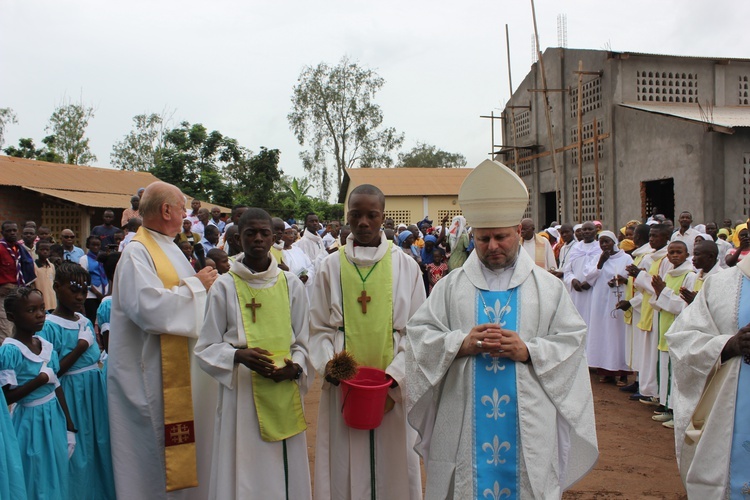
point(651, 147)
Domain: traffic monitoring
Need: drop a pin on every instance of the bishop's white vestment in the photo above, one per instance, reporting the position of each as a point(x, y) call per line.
point(556, 440)
point(712, 443)
point(142, 309)
point(342, 454)
point(243, 465)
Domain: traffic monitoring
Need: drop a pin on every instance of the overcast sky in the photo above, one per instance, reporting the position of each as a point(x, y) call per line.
point(231, 65)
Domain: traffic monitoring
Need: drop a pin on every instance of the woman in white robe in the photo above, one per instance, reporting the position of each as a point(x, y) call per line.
point(605, 344)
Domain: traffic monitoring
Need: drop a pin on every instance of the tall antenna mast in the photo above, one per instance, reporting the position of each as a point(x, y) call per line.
point(534, 51)
point(562, 30)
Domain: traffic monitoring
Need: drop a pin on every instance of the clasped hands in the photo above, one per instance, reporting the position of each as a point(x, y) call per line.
point(258, 361)
point(489, 338)
point(580, 287)
point(738, 345)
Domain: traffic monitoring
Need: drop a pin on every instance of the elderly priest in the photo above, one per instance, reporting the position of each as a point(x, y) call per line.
point(498, 387)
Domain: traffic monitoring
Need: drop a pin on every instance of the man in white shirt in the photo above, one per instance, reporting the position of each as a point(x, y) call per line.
point(686, 233)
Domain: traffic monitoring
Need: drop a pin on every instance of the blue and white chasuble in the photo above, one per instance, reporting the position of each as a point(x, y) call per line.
point(496, 405)
point(739, 462)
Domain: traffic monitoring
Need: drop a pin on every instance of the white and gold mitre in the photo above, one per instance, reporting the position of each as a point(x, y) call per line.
point(493, 196)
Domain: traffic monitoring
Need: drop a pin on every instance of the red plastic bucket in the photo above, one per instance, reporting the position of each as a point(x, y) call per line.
point(364, 398)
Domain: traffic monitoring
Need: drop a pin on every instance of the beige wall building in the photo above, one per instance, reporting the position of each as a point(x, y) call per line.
point(410, 193)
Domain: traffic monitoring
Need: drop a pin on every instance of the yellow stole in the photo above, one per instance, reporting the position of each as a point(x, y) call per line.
point(179, 427)
point(278, 405)
point(647, 310)
point(698, 284)
point(666, 319)
point(368, 310)
point(278, 254)
point(630, 290)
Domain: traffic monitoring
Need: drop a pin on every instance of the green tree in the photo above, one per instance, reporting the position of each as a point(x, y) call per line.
point(197, 161)
point(334, 113)
point(68, 125)
point(254, 180)
point(138, 148)
point(27, 149)
point(425, 155)
point(7, 117)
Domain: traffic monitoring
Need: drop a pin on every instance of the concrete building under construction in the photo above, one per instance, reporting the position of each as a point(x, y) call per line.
point(655, 134)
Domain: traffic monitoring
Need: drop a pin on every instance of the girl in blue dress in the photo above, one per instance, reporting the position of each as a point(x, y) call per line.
point(72, 337)
point(11, 469)
point(42, 423)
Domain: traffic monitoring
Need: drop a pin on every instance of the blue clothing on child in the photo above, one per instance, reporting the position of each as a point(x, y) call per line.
point(11, 469)
point(85, 389)
point(103, 313)
point(38, 420)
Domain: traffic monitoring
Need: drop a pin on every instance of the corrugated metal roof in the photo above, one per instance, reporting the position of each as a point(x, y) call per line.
point(87, 199)
point(41, 174)
point(407, 181)
point(84, 185)
point(724, 116)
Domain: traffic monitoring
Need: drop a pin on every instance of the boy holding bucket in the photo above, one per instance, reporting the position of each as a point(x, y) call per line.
point(363, 296)
point(254, 342)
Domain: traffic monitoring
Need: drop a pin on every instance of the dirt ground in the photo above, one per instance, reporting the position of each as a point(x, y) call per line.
point(636, 454)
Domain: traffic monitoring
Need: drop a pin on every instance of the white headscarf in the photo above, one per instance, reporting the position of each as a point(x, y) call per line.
point(456, 229)
point(611, 236)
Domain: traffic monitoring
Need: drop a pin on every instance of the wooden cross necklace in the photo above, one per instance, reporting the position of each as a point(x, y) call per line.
point(363, 298)
point(253, 305)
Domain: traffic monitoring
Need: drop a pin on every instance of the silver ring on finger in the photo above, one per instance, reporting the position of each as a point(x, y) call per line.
point(479, 344)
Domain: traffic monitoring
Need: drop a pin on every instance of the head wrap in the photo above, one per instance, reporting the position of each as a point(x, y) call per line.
point(403, 236)
point(287, 226)
point(633, 223)
point(401, 226)
point(611, 236)
point(456, 229)
point(431, 238)
point(724, 231)
point(577, 227)
point(626, 245)
point(554, 232)
point(701, 228)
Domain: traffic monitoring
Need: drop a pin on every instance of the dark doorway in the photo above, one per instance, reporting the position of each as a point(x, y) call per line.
point(657, 197)
point(549, 214)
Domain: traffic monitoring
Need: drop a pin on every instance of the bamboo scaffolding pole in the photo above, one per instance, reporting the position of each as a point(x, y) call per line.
point(512, 111)
point(558, 206)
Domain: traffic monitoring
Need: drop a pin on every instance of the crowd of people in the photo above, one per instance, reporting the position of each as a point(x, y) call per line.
point(170, 358)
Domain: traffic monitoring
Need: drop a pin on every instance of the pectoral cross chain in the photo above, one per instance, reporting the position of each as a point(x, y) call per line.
point(363, 299)
point(253, 305)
